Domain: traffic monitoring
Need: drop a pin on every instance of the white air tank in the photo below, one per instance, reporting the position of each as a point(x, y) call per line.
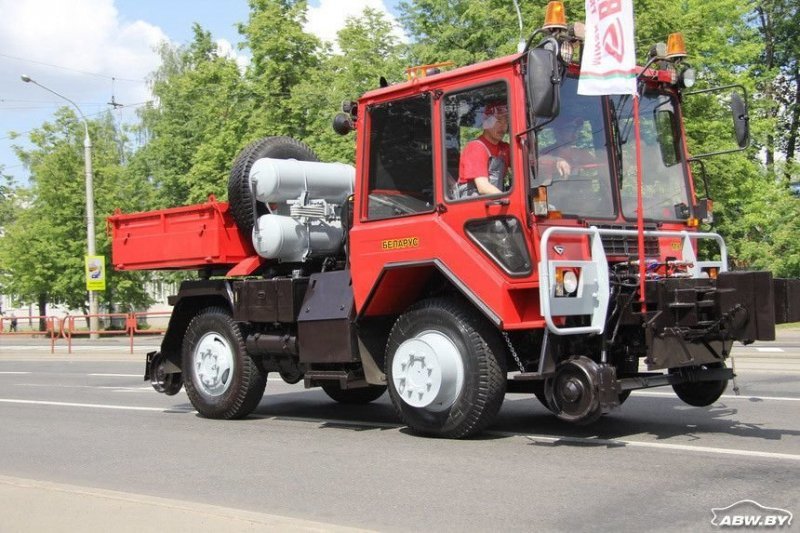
point(278, 180)
point(287, 240)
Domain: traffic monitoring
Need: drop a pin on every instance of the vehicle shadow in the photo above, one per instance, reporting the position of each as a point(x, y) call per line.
point(661, 418)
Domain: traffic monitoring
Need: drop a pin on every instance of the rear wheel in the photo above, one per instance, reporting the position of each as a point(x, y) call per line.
point(701, 393)
point(353, 396)
point(221, 379)
point(240, 194)
point(445, 369)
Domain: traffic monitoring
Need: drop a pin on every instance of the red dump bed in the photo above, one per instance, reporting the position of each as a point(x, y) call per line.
point(189, 237)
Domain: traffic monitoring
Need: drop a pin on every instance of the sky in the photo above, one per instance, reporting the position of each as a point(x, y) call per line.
point(98, 51)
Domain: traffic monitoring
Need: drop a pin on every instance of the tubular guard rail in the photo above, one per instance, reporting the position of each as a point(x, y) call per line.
point(69, 326)
point(17, 326)
point(594, 290)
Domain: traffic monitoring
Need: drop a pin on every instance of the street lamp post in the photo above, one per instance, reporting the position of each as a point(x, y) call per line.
point(90, 233)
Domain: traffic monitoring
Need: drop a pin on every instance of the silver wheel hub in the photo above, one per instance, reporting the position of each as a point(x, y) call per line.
point(213, 364)
point(427, 371)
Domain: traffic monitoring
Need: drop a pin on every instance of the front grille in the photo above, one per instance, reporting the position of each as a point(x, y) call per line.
point(623, 245)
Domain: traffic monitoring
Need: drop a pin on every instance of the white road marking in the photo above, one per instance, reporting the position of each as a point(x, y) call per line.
point(94, 406)
point(138, 350)
point(117, 375)
point(118, 388)
point(725, 396)
point(662, 446)
point(769, 349)
point(15, 373)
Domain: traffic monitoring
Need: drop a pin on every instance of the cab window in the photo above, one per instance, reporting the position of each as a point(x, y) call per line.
point(476, 123)
point(573, 157)
point(401, 158)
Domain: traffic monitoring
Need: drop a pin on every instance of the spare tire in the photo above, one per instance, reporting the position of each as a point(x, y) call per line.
point(239, 193)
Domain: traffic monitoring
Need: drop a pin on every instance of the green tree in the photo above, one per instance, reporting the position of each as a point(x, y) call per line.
point(8, 199)
point(283, 56)
point(196, 124)
point(462, 31)
point(42, 250)
point(368, 51)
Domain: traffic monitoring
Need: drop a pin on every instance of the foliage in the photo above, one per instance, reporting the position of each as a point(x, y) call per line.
point(42, 250)
point(8, 200)
point(368, 50)
point(196, 124)
point(207, 107)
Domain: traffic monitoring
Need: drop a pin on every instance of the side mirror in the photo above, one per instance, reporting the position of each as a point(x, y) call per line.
point(741, 122)
point(342, 124)
point(543, 82)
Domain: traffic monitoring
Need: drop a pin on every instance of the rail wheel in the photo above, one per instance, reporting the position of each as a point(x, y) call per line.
point(162, 381)
point(701, 393)
point(445, 369)
point(573, 392)
point(353, 396)
point(240, 194)
point(222, 380)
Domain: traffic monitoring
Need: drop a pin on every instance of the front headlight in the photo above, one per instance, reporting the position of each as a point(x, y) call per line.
point(570, 282)
point(688, 77)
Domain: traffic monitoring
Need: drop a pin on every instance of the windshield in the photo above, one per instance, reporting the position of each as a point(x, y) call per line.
point(573, 157)
point(664, 186)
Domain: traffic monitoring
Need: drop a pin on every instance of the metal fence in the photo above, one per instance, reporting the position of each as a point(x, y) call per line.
point(72, 326)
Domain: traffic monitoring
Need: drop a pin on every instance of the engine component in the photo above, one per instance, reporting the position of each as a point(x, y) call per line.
point(288, 240)
point(278, 180)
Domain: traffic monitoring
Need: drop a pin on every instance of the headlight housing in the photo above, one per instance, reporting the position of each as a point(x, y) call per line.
point(502, 240)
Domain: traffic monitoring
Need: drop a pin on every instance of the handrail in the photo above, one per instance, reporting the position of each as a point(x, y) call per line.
point(13, 323)
point(596, 269)
point(68, 328)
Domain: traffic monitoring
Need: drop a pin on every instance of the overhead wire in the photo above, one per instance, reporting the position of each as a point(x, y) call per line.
point(85, 72)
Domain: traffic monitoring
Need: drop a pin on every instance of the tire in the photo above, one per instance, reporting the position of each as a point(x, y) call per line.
point(358, 396)
point(702, 393)
point(221, 379)
point(240, 196)
point(445, 368)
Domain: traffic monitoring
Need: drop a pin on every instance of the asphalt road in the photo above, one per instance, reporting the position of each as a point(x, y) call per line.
point(86, 444)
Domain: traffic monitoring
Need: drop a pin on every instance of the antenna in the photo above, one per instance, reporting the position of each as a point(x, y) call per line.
point(521, 45)
point(113, 103)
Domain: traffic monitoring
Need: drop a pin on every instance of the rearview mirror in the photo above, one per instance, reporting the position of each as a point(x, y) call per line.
point(543, 82)
point(741, 122)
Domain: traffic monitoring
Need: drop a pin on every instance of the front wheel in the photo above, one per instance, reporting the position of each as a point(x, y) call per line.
point(221, 379)
point(445, 369)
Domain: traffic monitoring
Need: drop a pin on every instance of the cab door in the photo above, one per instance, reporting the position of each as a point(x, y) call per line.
point(488, 248)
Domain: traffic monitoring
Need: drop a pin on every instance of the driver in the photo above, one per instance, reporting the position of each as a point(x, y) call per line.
point(485, 160)
point(564, 155)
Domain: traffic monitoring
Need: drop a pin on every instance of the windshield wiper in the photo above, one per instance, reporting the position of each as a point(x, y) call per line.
point(617, 138)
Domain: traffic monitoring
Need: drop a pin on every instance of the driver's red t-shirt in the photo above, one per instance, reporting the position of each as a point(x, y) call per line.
point(475, 158)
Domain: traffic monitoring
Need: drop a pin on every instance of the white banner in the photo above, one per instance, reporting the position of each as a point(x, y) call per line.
point(608, 65)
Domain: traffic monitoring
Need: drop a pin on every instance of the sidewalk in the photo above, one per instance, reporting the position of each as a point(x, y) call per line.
point(27, 505)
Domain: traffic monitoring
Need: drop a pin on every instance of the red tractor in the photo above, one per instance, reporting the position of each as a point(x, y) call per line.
point(394, 275)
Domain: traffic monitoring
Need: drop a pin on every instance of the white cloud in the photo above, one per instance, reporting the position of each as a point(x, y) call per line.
point(78, 37)
point(327, 19)
point(226, 49)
